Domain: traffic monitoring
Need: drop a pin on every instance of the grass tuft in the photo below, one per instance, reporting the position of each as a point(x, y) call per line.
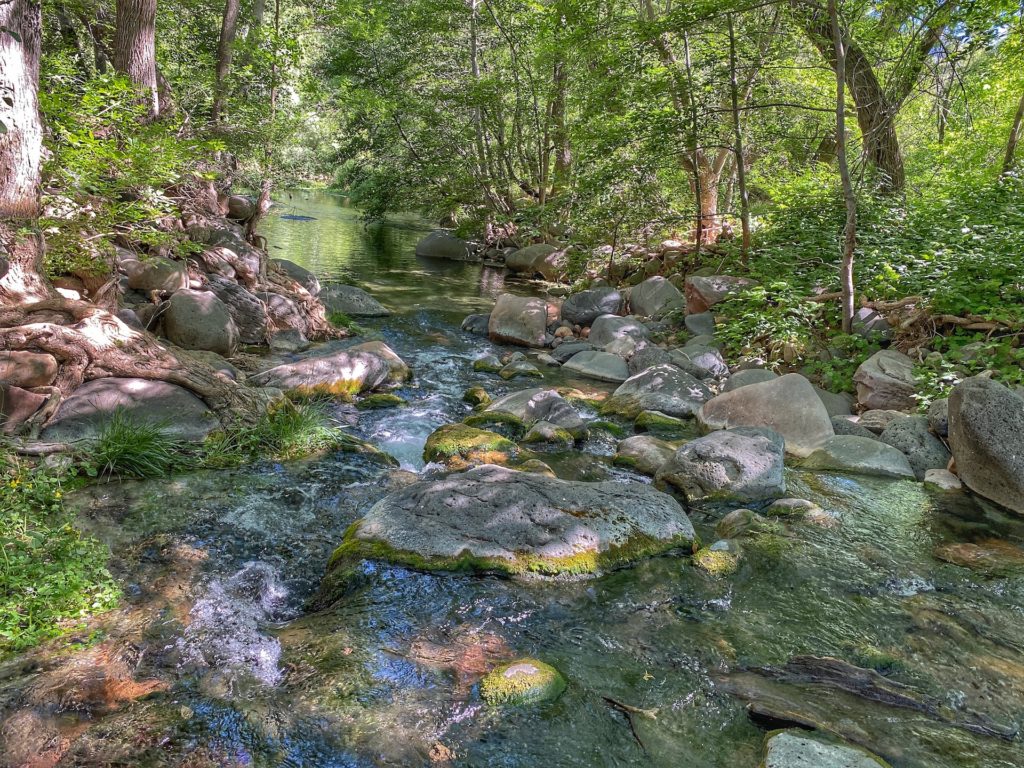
point(128, 447)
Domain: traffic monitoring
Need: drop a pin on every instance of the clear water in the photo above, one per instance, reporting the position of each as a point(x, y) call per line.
point(219, 565)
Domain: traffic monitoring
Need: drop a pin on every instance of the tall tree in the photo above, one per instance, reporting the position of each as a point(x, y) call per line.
point(21, 136)
point(850, 230)
point(135, 48)
point(228, 29)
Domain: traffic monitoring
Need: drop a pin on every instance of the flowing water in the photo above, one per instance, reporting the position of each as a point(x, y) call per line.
point(213, 660)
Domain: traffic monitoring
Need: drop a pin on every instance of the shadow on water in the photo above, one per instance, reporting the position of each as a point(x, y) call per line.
point(228, 669)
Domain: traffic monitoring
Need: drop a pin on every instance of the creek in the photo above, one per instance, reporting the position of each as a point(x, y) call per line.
point(218, 566)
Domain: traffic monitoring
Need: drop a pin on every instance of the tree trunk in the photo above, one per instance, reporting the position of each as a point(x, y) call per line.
point(741, 176)
point(1015, 132)
point(850, 230)
point(560, 134)
point(135, 49)
point(228, 29)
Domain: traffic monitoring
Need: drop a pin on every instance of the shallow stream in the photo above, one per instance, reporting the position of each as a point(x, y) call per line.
point(213, 661)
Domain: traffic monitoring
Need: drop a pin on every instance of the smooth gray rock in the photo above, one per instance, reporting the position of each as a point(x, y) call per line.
point(870, 324)
point(654, 296)
point(879, 420)
point(289, 340)
point(664, 388)
point(938, 417)
point(156, 274)
point(602, 366)
point(748, 376)
point(88, 410)
point(986, 433)
point(788, 405)
point(494, 519)
point(442, 245)
point(519, 368)
point(644, 453)
point(476, 324)
point(199, 320)
point(352, 301)
point(701, 324)
point(585, 307)
point(703, 292)
point(741, 465)
point(241, 207)
point(836, 403)
point(886, 381)
point(700, 360)
point(942, 480)
point(541, 260)
point(300, 275)
point(340, 372)
point(859, 455)
point(805, 749)
point(518, 320)
point(648, 357)
point(608, 328)
point(538, 404)
point(248, 312)
point(563, 352)
point(845, 426)
point(923, 449)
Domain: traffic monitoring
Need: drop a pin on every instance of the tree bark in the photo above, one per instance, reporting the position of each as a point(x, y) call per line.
point(229, 27)
point(741, 175)
point(850, 230)
point(1015, 131)
point(560, 134)
point(135, 49)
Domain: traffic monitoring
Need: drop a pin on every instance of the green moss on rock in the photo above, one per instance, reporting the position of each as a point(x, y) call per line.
point(476, 396)
point(716, 562)
point(462, 445)
point(666, 427)
point(524, 681)
point(506, 424)
point(380, 400)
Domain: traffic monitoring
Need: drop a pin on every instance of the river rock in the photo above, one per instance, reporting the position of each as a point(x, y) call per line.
point(912, 436)
point(700, 360)
point(351, 301)
point(748, 376)
point(156, 274)
point(859, 455)
point(878, 421)
point(518, 320)
point(283, 312)
point(459, 446)
point(847, 426)
point(300, 275)
point(664, 388)
point(938, 417)
point(608, 328)
point(248, 312)
point(27, 369)
point(644, 453)
point(805, 749)
point(241, 207)
point(702, 293)
point(88, 409)
point(836, 403)
point(199, 320)
point(602, 366)
point(541, 260)
point(886, 381)
point(442, 245)
point(521, 682)
point(519, 368)
point(986, 433)
point(654, 296)
point(585, 307)
point(339, 372)
point(476, 324)
point(701, 324)
point(787, 405)
point(529, 406)
point(564, 352)
point(17, 406)
point(744, 465)
point(942, 480)
point(647, 357)
point(496, 520)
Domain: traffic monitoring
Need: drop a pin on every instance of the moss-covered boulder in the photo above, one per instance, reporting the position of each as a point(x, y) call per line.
point(460, 445)
point(476, 396)
point(546, 433)
point(343, 372)
point(664, 388)
point(720, 559)
point(380, 400)
point(496, 520)
point(524, 681)
point(666, 427)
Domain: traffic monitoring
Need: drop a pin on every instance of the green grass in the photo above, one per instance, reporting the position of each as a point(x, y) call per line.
point(51, 575)
point(128, 447)
point(341, 320)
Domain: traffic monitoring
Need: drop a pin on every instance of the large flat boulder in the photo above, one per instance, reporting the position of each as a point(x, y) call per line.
point(540, 260)
point(663, 388)
point(84, 414)
point(789, 405)
point(986, 433)
point(654, 296)
point(585, 307)
point(610, 328)
point(702, 293)
point(338, 372)
point(352, 301)
point(495, 520)
point(199, 320)
point(885, 381)
point(602, 366)
point(860, 456)
point(442, 245)
point(740, 465)
point(518, 320)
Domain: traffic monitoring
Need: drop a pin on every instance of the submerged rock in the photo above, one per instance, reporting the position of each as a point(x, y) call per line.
point(859, 455)
point(886, 381)
point(788, 405)
point(663, 388)
point(476, 324)
point(523, 681)
point(720, 559)
point(496, 520)
point(986, 433)
point(741, 465)
point(804, 749)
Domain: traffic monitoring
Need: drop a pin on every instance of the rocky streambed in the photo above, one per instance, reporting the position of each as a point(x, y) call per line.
point(563, 570)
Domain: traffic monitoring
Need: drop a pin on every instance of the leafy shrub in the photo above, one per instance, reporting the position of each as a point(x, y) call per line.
point(772, 321)
point(128, 447)
point(51, 575)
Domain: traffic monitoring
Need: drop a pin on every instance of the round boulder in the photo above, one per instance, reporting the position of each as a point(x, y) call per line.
point(585, 307)
point(199, 320)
